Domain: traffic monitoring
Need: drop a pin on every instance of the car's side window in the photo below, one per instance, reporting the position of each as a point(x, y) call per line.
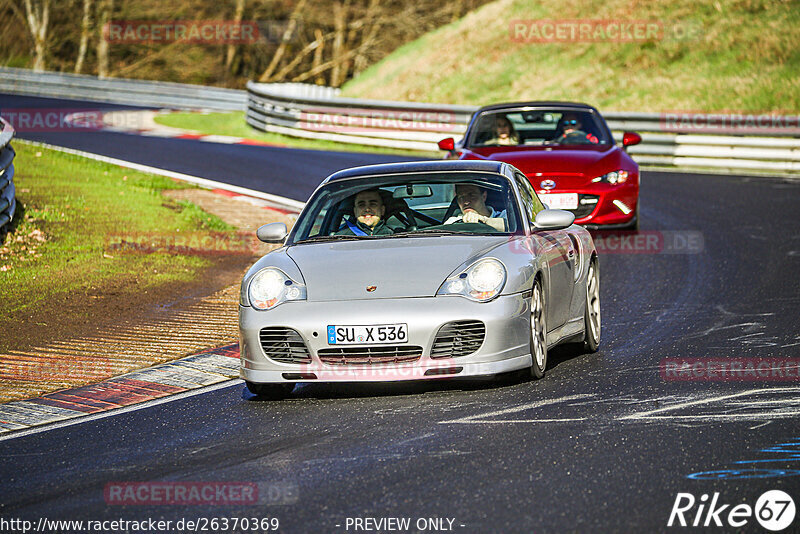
point(531, 202)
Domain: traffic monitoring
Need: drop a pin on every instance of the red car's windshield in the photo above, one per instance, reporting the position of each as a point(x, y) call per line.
point(537, 127)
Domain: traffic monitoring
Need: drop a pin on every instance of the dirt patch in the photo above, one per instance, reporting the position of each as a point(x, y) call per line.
point(116, 328)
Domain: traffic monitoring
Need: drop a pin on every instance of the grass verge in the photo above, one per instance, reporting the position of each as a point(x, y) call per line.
point(721, 56)
point(233, 124)
point(69, 211)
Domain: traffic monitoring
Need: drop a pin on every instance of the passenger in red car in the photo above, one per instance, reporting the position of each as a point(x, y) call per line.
point(504, 132)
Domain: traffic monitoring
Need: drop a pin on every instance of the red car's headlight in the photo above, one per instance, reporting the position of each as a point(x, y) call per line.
point(613, 177)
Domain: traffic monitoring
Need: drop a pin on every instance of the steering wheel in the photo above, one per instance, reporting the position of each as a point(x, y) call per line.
point(575, 137)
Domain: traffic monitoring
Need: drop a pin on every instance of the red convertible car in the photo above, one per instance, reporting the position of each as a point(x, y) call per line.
point(567, 152)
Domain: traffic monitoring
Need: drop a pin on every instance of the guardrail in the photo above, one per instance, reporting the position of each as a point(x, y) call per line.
point(7, 192)
point(310, 112)
point(121, 91)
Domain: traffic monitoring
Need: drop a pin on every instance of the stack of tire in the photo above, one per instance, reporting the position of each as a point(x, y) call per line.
point(7, 192)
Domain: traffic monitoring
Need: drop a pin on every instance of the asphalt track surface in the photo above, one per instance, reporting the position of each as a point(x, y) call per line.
point(604, 443)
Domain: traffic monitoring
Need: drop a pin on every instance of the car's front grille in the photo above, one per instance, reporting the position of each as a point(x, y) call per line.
point(459, 338)
point(284, 345)
point(586, 205)
point(370, 355)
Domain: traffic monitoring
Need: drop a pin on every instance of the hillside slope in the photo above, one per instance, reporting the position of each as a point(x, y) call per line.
point(740, 55)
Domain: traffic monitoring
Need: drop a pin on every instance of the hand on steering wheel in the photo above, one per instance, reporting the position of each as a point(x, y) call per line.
point(473, 217)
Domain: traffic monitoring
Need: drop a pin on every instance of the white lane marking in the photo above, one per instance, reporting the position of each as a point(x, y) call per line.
point(117, 411)
point(473, 419)
point(506, 421)
point(202, 182)
point(759, 426)
point(709, 400)
point(731, 416)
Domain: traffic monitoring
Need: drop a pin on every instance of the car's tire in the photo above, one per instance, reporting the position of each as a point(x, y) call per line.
point(591, 314)
point(270, 391)
point(538, 332)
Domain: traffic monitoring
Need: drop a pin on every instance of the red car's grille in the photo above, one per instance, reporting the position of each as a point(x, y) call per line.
point(586, 205)
point(370, 355)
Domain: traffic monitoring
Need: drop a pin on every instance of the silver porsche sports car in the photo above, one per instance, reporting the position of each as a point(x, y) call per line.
point(421, 270)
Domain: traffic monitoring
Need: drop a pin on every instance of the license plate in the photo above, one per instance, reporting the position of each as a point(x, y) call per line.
point(367, 334)
point(560, 201)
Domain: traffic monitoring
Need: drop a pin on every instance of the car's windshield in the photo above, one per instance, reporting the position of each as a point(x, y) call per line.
point(410, 205)
point(552, 127)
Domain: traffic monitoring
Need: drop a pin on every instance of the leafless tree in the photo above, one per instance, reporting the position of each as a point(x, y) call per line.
point(37, 13)
point(237, 17)
point(319, 41)
point(84, 44)
point(105, 8)
point(287, 36)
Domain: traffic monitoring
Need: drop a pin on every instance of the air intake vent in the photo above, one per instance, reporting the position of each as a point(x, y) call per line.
point(459, 338)
point(371, 355)
point(586, 205)
point(284, 345)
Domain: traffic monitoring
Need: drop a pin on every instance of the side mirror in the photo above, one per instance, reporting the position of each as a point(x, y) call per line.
point(630, 139)
point(554, 219)
point(447, 144)
point(272, 233)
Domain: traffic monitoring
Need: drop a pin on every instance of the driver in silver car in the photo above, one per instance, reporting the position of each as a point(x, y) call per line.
point(472, 203)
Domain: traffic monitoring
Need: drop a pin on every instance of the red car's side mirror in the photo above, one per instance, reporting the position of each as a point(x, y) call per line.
point(631, 138)
point(447, 144)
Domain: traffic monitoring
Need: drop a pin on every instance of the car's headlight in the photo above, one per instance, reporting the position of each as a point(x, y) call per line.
point(482, 281)
point(270, 287)
point(613, 177)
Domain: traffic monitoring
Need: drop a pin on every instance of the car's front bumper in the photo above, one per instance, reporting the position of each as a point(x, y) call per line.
point(615, 206)
point(505, 346)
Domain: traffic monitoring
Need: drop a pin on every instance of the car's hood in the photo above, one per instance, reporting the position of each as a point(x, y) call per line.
point(397, 267)
point(547, 159)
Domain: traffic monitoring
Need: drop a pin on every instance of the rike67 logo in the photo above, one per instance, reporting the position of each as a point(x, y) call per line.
point(774, 511)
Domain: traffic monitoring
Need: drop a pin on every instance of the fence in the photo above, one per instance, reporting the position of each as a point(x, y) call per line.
point(305, 111)
point(7, 193)
point(121, 91)
point(314, 112)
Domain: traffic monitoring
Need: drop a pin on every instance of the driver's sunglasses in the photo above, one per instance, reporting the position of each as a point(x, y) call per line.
point(571, 122)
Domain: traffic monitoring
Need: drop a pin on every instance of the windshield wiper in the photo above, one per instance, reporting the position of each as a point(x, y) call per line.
point(319, 238)
point(424, 232)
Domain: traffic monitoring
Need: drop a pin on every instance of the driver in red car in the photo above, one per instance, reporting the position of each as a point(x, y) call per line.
point(570, 126)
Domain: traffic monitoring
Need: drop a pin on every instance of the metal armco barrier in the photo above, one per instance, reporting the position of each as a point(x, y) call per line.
point(7, 193)
point(314, 112)
point(120, 91)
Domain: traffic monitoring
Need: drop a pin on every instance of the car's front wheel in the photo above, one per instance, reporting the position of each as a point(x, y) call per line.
point(270, 391)
point(538, 342)
point(591, 316)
